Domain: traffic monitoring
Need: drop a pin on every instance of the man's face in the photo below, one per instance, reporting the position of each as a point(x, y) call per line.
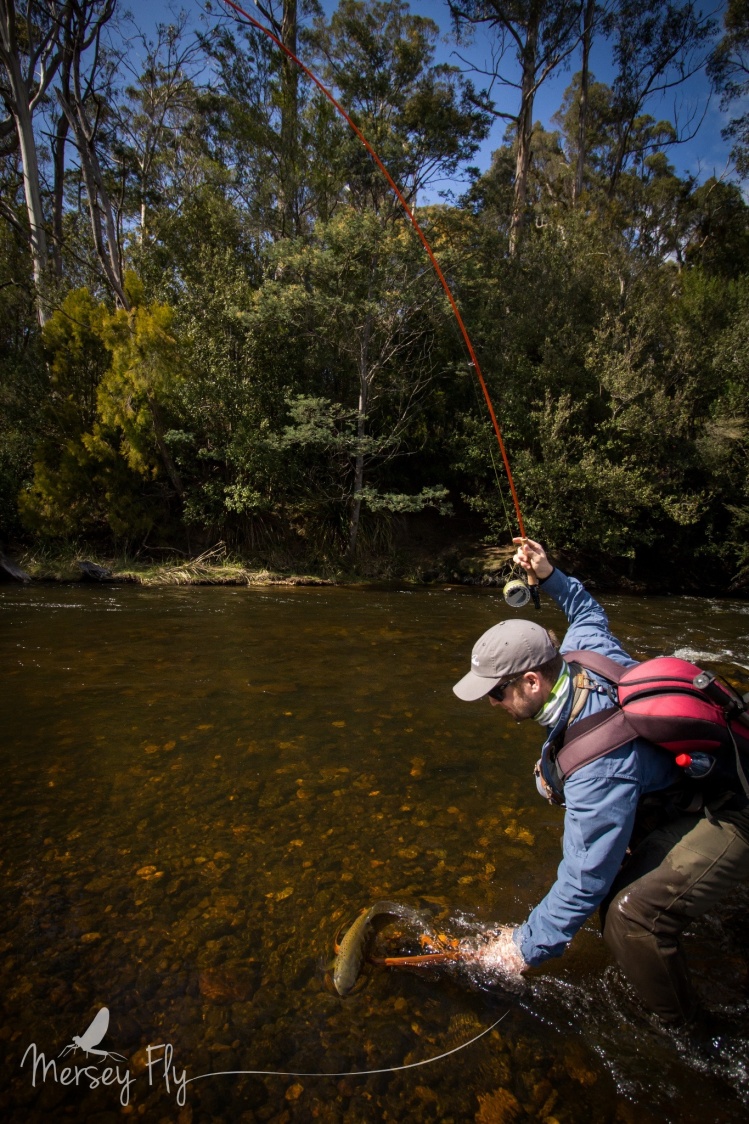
point(524, 697)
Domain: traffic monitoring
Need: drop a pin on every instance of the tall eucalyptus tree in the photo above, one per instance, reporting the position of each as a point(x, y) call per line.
point(33, 41)
point(537, 36)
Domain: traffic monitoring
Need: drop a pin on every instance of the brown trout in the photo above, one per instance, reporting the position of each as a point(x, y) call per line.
point(353, 949)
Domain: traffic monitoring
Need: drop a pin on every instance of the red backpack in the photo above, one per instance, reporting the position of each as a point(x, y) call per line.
point(669, 701)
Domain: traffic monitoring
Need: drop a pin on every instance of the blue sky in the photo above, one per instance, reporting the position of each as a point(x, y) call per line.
point(705, 155)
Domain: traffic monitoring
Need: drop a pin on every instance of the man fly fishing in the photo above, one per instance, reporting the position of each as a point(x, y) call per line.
point(637, 844)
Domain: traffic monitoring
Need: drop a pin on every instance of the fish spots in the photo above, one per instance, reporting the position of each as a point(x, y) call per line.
point(339, 723)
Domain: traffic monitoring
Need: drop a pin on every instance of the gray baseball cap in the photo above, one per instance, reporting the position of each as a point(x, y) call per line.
point(505, 650)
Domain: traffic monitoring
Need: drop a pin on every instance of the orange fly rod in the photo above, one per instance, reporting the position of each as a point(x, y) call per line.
point(466, 338)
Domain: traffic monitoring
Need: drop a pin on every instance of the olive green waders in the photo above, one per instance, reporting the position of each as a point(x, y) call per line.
point(678, 872)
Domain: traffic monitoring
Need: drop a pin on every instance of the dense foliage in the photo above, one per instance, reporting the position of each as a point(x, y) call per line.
point(217, 323)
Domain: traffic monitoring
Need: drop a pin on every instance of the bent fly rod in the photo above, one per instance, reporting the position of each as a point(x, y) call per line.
point(531, 577)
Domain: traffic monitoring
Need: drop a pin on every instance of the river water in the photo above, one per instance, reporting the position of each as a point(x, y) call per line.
point(200, 786)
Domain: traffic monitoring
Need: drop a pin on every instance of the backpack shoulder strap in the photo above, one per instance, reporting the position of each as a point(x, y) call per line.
point(601, 665)
point(593, 737)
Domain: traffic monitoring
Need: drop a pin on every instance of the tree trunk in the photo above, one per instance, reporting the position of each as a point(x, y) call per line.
point(289, 181)
point(77, 98)
point(34, 209)
point(58, 159)
point(582, 126)
point(361, 427)
point(101, 211)
point(288, 164)
point(28, 66)
point(166, 458)
point(18, 101)
point(524, 131)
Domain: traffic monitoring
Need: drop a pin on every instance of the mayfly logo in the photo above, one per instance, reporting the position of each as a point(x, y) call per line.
point(90, 1076)
point(93, 1036)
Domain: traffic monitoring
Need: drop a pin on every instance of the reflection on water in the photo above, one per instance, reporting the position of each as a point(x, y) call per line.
point(201, 785)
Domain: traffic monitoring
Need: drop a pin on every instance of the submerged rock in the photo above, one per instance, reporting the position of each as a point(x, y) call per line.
point(499, 1107)
point(227, 985)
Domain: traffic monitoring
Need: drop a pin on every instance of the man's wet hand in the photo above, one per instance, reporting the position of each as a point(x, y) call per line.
point(499, 954)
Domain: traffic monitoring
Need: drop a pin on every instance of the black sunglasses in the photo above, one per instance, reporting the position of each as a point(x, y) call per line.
point(497, 692)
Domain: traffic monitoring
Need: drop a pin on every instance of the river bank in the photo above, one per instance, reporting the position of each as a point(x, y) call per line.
point(472, 565)
point(212, 567)
point(463, 563)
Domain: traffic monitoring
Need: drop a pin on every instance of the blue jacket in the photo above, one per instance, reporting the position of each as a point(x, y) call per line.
point(601, 798)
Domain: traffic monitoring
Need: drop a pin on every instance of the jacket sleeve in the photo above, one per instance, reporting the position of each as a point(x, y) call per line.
point(598, 825)
point(588, 624)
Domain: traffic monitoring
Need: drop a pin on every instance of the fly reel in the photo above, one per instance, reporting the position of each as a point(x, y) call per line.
point(516, 593)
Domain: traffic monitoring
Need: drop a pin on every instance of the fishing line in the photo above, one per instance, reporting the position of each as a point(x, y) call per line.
point(345, 1073)
point(456, 311)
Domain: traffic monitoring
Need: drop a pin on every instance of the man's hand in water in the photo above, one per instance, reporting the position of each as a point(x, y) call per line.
point(500, 953)
point(532, 556)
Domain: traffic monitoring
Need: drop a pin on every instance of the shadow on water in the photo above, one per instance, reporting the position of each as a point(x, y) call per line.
point(201, 785)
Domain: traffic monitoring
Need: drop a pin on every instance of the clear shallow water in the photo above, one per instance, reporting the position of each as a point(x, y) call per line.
point(201, 785)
